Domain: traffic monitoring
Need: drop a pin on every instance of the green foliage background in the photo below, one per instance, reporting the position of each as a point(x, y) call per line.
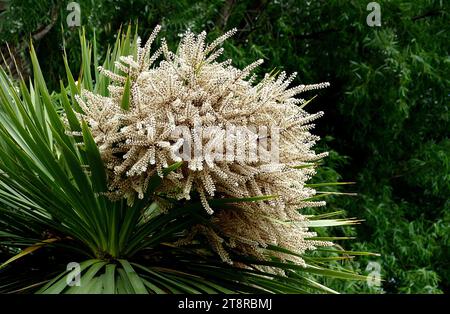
point(387, 114)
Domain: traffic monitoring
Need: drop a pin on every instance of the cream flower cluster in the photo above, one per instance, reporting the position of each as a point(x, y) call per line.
point(192, 89)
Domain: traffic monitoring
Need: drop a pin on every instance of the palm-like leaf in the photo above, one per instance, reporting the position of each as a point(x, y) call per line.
point(53, 210)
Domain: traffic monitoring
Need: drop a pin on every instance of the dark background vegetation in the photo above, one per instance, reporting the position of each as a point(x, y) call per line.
point(387, 110)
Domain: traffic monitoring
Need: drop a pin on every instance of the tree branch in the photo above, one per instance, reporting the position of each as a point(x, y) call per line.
point(425, 15)
point(43, 31)
point(225, 13)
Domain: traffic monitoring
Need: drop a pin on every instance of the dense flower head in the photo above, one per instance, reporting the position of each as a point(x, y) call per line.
point(241, 138)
